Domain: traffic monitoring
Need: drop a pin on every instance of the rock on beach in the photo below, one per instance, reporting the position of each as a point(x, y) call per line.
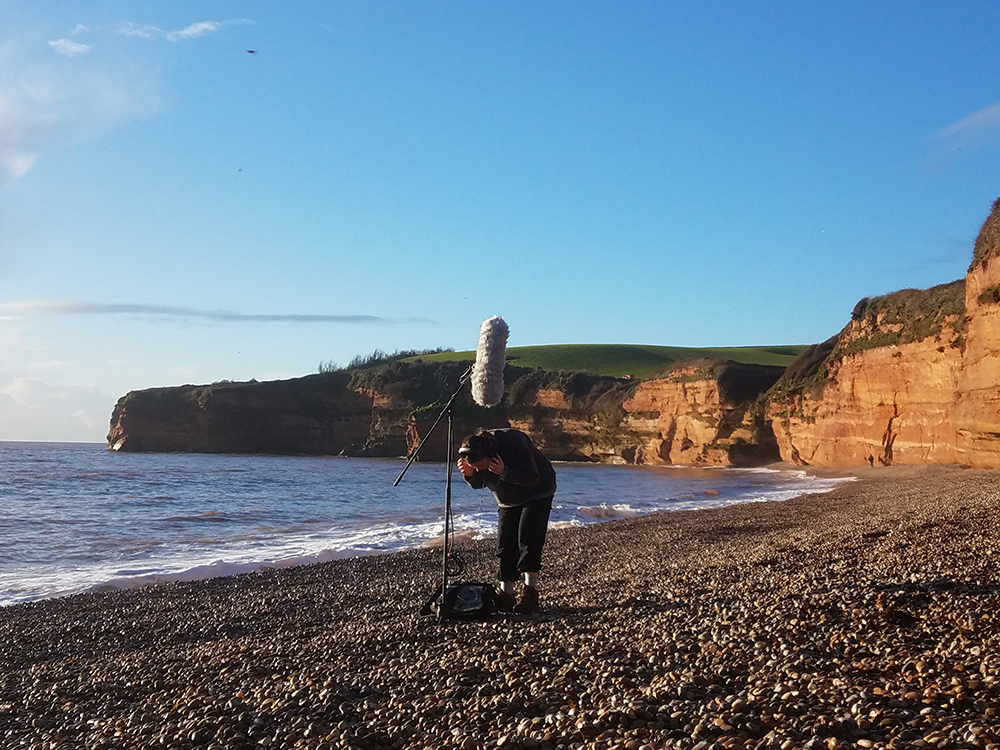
point(867, 617)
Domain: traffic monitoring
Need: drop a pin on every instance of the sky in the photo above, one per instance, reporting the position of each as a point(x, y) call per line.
point(193, 192)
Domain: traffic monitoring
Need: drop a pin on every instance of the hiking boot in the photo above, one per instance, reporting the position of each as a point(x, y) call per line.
point(504, 602)
point(529, 601)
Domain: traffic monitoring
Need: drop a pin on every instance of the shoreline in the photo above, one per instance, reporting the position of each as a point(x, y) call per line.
point(380, 536)
point(866, 616)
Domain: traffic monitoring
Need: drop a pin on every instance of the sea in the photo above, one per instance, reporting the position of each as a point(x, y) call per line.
point(76, 517)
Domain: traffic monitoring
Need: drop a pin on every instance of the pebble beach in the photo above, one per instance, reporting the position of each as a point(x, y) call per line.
point(865, 617)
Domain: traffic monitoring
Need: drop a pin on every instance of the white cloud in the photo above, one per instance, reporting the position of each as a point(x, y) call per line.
point(973, 132)
point(14, 164)
point(89, 421)
point(69, 48)
point(39, 399)
point(45, 105)
point(24, 392)
point(192, 31)
point(11, 332)
point(35, 410)
point(983, 124)
point(75, 307)
point(52, 365)
point(139, 32)
point(50, 105)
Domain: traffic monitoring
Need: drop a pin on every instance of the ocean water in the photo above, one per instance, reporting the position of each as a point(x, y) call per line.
point(76, 517)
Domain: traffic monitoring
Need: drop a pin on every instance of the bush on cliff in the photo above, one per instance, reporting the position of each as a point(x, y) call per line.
point(990, 296)
point(741, 383)
point(413, 382)
point(988, 241)
point(895, 319)
point(585, 394)
point(378, 357)
point(176, 404)
point(908, 315)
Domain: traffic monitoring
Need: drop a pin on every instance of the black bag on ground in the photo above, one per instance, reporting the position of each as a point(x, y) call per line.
point(462, 601)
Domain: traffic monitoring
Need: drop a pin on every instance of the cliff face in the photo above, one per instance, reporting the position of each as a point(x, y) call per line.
point(694, 414)
point(317, 414)
point(977, 396)
point(912, 379)
point(892, 403)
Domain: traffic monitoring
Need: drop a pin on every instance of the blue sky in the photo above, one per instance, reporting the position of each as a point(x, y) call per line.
point(176, 209)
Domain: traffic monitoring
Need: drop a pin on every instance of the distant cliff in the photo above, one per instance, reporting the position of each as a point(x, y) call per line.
point(694, 413)
point(314, 414)
point(913, 378)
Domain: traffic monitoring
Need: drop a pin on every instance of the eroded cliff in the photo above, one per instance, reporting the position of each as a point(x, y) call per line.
point(695, 413)
point(702, 413)
point(913, 378)
point(317, 414)
point(977, 395)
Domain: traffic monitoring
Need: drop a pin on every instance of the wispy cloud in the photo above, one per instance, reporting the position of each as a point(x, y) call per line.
point(166, 312)
point(47, 104)
point(68, 47)
point(192, 31)
point(973, 132)
point(34, 410)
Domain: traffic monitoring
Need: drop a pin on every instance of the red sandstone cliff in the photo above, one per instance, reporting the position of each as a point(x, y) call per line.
point(977, 395)
point(683, 418)
point(316, 414)
point(696, 413)
point(912, 379)
point(893, 403)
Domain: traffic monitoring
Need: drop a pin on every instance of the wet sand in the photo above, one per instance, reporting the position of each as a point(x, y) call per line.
point(865, 617)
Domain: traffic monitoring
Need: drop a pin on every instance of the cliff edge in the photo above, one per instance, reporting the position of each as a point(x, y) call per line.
point(697, 413)
point(912, 379)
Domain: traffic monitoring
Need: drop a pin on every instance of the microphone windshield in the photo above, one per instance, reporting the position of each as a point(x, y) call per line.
point(491, 356)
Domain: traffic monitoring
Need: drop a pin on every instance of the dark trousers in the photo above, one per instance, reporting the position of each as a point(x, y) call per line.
point(521, 536)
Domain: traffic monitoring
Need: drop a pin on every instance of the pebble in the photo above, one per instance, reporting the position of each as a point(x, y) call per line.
point(765, 627)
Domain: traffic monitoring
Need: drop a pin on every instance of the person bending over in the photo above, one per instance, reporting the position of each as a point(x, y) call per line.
point(523, 482)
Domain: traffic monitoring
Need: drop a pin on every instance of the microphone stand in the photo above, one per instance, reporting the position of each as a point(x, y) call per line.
point(447, 411)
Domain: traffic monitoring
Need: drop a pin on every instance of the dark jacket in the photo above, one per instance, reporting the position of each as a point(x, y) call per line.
point(528, 475)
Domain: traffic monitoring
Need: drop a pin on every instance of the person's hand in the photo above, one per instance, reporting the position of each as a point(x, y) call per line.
point(466, 468)
point(496, 465)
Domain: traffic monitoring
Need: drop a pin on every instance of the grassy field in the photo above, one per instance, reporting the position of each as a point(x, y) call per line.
point(618, 360)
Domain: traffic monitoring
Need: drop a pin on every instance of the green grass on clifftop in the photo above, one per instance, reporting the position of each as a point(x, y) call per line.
point(618, 360)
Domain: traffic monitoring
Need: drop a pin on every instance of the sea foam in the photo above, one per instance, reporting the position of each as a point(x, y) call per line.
point(87, 519)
